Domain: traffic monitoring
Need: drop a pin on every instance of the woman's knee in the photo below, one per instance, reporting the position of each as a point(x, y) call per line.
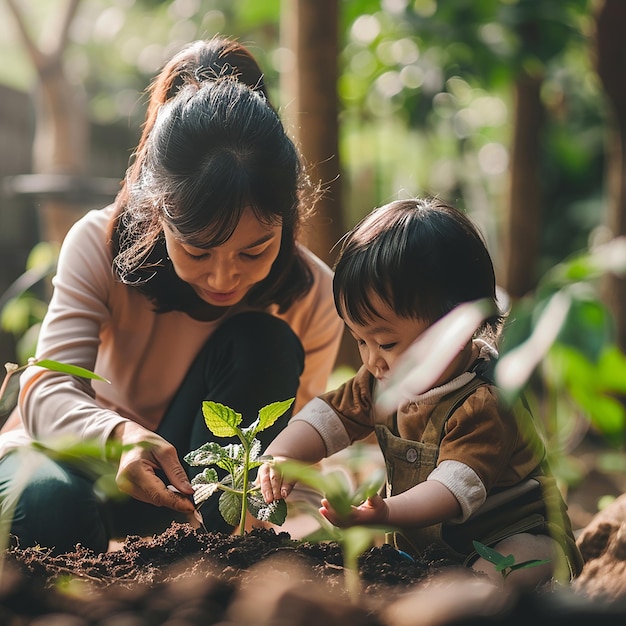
point(54, 507)
point(255, 335)
point(255, 346)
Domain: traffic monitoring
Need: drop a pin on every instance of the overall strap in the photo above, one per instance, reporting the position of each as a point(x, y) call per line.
point(434, 431)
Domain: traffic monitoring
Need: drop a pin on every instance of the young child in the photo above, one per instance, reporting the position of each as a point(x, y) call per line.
point(460, 466)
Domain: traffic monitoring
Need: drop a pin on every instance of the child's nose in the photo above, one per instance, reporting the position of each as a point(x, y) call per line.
point(377, 365)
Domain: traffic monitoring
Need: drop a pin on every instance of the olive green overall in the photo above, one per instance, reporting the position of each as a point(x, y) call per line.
point(534, 505)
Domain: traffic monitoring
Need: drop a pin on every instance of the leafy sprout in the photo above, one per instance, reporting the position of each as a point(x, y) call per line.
point(342, 497)
point(505, 565)
point(239, 495)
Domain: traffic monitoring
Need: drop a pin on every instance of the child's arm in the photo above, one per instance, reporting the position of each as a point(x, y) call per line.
point(298, 441)
point(428, 503)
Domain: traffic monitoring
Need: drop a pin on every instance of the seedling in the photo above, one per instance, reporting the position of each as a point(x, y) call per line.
point(342, 497)
point(504, 564)
point(10, 385)
point(239, 495)
point(334, 484)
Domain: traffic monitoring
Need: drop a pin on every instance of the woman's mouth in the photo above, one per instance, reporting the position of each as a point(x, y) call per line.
point(218, 297)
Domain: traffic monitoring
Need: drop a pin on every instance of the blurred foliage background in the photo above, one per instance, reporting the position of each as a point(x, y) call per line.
point(425, 92)
point(498, 106)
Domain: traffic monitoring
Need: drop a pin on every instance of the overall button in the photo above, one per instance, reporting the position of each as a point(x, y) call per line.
point(411, 455)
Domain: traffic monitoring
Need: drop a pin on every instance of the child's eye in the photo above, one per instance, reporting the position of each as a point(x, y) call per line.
point(388, 346)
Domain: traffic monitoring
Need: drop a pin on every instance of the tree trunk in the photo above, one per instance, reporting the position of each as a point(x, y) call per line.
point(61, 144)
point(525, 197)
point(610, 49)
point(309, 96)
point(309, 30)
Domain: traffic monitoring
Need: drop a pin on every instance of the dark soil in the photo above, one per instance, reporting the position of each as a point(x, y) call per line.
point(185, 577)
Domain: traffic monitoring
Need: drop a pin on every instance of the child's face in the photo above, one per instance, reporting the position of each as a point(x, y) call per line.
point(383, 339)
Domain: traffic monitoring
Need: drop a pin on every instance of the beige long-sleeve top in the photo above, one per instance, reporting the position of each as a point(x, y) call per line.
point(98, 323)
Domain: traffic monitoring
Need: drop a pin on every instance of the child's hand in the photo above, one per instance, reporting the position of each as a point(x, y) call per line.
point(273, 486)
point(374, 511)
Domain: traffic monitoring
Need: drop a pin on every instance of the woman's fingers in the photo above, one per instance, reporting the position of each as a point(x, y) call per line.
point(136, 474)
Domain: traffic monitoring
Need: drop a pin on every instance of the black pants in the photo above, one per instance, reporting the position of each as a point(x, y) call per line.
point(253, 359)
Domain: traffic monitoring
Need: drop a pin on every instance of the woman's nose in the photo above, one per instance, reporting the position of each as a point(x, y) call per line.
point(222, 276)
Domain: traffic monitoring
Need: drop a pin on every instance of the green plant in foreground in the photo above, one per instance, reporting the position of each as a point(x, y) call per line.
point(10, 385)
point(342, 497)
point(239, 494)
point(87, 454)
point(504, 564)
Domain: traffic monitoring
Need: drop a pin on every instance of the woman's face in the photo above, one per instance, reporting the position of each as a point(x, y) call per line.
point(223, 275)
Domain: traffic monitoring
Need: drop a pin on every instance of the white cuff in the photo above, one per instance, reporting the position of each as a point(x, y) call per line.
point(464, 484)
point(326, 422)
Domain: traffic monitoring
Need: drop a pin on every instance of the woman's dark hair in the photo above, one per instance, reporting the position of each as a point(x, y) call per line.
point(212, 145)
point(421, 256)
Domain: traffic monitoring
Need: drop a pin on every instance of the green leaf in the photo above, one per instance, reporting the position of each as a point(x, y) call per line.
point(270, 413)
point(221, 420)
point(334, 485)
point(303, 473)
point(230, 507)
point(587, 327)
point(88, 455)
point(528, 564)
point(74, 370)
point(370, 487)
point(208, 454)
point(275, 513)
point(207, 476)
point(356, 540)
point(338, 491)
point(487, 553)
point(506, 563)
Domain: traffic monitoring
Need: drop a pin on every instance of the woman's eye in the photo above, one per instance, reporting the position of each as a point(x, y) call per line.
point(252, 255)
point(197, 257)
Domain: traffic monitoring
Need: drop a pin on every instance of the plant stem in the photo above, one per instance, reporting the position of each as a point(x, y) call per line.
point(244, 495)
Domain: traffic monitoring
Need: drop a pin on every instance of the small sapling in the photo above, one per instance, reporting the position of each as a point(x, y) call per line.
point(504, 564)
point(239, 494)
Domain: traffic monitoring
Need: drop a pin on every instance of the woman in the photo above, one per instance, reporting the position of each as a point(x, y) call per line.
point(191, 286)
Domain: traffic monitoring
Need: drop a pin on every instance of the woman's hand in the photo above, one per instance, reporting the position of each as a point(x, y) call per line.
point(373, 512)
point(136, 474)
point(273, 485)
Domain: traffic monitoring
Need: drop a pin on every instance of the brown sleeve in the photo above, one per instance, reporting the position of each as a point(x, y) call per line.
point(486, 437)
point(352, 402)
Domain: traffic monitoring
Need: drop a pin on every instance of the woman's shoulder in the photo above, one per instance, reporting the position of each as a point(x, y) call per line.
point(89, 234)
point(94, 221)
point(315, 264)
point(85, 248)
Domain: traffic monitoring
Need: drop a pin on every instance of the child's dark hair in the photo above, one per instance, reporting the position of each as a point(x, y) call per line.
point(420, 256)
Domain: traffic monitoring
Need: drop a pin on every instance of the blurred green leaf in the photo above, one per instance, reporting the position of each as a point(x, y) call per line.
point(67, 368)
